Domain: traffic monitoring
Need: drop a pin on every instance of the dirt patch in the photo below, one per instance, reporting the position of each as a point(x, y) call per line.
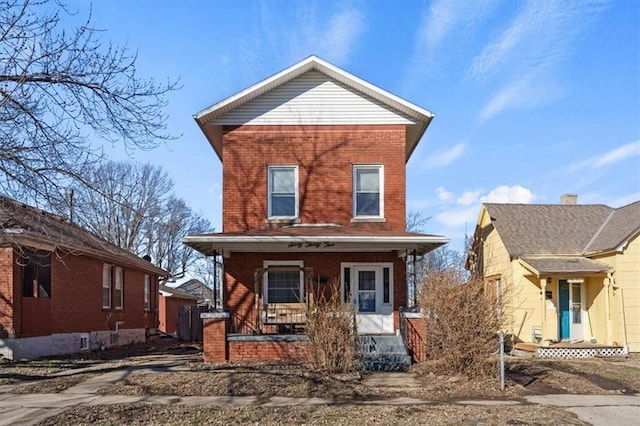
point(346, 414)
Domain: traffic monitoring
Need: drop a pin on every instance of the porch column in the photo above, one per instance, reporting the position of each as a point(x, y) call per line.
point(214, 336)
point(607, 307)
point(543, 305)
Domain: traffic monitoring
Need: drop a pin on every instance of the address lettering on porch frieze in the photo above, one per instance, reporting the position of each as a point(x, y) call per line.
point(309, 244)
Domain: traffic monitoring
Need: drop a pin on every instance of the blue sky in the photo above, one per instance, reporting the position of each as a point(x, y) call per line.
point(531, 99)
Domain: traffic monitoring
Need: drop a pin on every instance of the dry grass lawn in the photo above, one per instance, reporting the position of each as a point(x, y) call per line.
point(524, 377)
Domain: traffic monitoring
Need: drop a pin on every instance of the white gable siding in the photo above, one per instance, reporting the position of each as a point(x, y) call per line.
point(313, 98)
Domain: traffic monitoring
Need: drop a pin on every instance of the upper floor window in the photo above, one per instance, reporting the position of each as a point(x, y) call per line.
point(36, 274)
point(283, 191)
point(368, 191)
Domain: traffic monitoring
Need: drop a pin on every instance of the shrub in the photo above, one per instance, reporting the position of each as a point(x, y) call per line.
point(462, 323)
point(334, 345)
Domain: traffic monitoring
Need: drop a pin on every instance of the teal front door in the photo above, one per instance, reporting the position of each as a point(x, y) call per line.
point(565, 314)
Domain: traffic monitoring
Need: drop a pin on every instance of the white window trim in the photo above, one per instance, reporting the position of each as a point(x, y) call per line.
point(107, 283)
point(380, 167)
point(118, 285)
point(147, 293)
point(297, 191)
point(265, 277)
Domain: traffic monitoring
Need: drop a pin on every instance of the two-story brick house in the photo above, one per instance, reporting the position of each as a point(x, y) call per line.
point(313, 193)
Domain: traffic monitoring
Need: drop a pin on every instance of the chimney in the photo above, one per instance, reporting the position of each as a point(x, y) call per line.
point(569, 199)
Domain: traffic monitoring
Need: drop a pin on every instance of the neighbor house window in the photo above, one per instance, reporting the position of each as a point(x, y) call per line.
point(283, 282)
point(118, 294)
point(112, 287)
point(147, 293)
point(283, 191)
point(36, 274)
point(368, 191)
point(106, 286)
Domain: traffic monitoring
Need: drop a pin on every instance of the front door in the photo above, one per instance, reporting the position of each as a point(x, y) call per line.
point(371, 295)
point(571, 310)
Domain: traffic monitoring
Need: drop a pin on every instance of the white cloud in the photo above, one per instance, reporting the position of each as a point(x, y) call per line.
point(285, 37)
point(339, 38)
point(518, 93)
point(445, 158)
point(458, 217)
point(509, 194)
point(619, 154)
point(524, 58)
point(443, 194)
point(439, 24)
point(468, 197)
point(609, 158)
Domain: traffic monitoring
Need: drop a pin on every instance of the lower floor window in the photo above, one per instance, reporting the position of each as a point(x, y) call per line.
point(36, 274)
point(283, 282)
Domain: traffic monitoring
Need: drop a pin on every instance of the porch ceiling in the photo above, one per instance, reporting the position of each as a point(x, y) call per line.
point(227, 243)
point(563, 265)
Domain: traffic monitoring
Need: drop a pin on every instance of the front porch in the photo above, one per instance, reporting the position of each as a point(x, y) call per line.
point(570, 350)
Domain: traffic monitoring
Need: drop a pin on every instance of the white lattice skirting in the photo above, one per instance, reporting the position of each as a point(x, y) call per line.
point(581, 352)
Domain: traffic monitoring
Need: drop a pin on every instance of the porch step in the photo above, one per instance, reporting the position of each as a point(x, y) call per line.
point(384, 353)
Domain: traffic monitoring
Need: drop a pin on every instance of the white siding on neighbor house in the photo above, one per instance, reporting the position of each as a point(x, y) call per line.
point(313, 98)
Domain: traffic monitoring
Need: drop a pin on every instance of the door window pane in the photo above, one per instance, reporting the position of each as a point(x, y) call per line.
point(367, 301)
point(366, 291)
point(576, 303)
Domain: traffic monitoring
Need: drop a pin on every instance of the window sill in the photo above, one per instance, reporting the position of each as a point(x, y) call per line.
point(283, 220)
point(368, 220)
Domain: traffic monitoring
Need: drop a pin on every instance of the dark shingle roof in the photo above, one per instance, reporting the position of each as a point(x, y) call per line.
point(198, 289)
point(23, 225)
point(619, 226)
point(177, 293)
point(565, 265)
point(547, 228)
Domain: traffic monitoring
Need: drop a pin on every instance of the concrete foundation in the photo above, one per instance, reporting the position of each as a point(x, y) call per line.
point(67, 343)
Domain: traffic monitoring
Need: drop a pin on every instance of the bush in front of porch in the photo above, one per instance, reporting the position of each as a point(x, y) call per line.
point(333, 339)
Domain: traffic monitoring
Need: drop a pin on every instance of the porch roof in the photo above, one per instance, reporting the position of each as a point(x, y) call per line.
point(323, 239)
point(563, 265)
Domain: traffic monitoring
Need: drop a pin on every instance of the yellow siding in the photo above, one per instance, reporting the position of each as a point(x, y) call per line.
point(627, 278)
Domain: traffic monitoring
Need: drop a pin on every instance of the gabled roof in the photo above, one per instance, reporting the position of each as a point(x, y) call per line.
point(561, 229)
point(175, 292)
point(197, 288)
point(621, 225)
point(23, 225)
point(210, 118)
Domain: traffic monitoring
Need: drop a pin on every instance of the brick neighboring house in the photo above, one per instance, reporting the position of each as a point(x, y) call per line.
point(169, 303)
point(63, 289)
point(313, 193)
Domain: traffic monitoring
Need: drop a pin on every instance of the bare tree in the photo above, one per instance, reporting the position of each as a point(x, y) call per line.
point(133, 206)
point(57, 89)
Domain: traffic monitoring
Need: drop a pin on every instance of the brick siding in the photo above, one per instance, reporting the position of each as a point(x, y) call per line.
point(325, 156)
point(76, 297)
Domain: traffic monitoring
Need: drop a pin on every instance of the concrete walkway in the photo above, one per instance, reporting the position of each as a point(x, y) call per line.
point(29, 409)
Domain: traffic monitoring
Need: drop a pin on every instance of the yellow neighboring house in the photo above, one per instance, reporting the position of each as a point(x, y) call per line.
point(569, 273)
